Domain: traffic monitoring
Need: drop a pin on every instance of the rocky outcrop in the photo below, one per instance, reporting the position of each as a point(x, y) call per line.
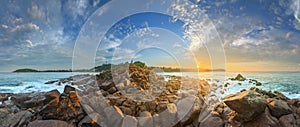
point(248, 104)
point(239, 77)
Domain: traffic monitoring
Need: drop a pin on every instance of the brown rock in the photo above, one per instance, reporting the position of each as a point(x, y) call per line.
point(263, 120)
point(53, 94)
point(145, 122)
point(248, 104)
point(68, 88)
point(16, 120)
point(49, 123)
point(112, 90)
point(278, 107)
point(145, 114)
point(204, 87)
point(212, 121)
point(287, 121)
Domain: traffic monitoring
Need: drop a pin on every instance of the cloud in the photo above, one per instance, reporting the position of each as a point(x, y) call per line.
point(35, 12)
point(4, 26)
point(29, 43)
point(288, 35)
point(25, 27)
point(295, 6)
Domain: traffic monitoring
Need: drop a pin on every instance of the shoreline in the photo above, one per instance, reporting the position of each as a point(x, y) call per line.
point(136, 100)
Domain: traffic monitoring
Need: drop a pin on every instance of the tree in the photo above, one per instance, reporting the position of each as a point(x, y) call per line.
point(140, 64)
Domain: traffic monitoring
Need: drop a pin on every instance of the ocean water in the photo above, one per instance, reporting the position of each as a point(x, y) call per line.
point(286, 82)
point(30, 82)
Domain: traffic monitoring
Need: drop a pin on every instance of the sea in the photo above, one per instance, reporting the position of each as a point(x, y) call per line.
point(287, 83)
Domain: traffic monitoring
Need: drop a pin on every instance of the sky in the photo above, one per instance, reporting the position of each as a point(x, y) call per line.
point(237, 35)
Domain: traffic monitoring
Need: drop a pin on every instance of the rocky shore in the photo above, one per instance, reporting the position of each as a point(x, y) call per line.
point(136, 97)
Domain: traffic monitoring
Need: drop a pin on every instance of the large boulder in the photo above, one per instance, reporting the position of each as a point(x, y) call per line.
point(263, 120)
point(287, 121)
point(66, 108)
point(248, 104)
point(16, 120)
point(212, 121)
point(278, 108)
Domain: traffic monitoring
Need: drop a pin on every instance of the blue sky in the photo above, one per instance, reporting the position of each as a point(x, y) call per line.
point(256, 35)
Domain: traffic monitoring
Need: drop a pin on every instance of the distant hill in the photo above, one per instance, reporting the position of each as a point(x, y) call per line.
point(26, 70)
point(33, 70)
point(105, 67)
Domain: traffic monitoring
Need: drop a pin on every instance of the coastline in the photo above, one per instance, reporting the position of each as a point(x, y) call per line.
point(84, 97)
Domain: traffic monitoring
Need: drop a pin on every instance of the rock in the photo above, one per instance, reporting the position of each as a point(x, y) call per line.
point(114, 116)
point(258, 84)
point(145, 114)
point(168, 117)
point(145, 122)
point(239, 77)
point(212, 121)
point(51, 82)
point(227, 84)
point(18, 119)
point(129, 121)
point(294, 102)
point(204, 88)
point(4, 96)
point(53, 94)
point(112, 90)
point(278, 107)
point(287, 121)
point(49, 123)
point(248, 104)
point(263, 120)
point(82, 81)
point(187, 110)
point(91, 120)
point(66, 110)
point(87, 108)
point(18, 99)
point(68, 88)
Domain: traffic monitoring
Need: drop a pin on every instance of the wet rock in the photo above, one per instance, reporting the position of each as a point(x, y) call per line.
point(278, 107)
point(258, 84)
point(51, 82)
point(248, 104)
point(4, 96)
point(239, 77)
point(49, 123)
point(287, 121)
